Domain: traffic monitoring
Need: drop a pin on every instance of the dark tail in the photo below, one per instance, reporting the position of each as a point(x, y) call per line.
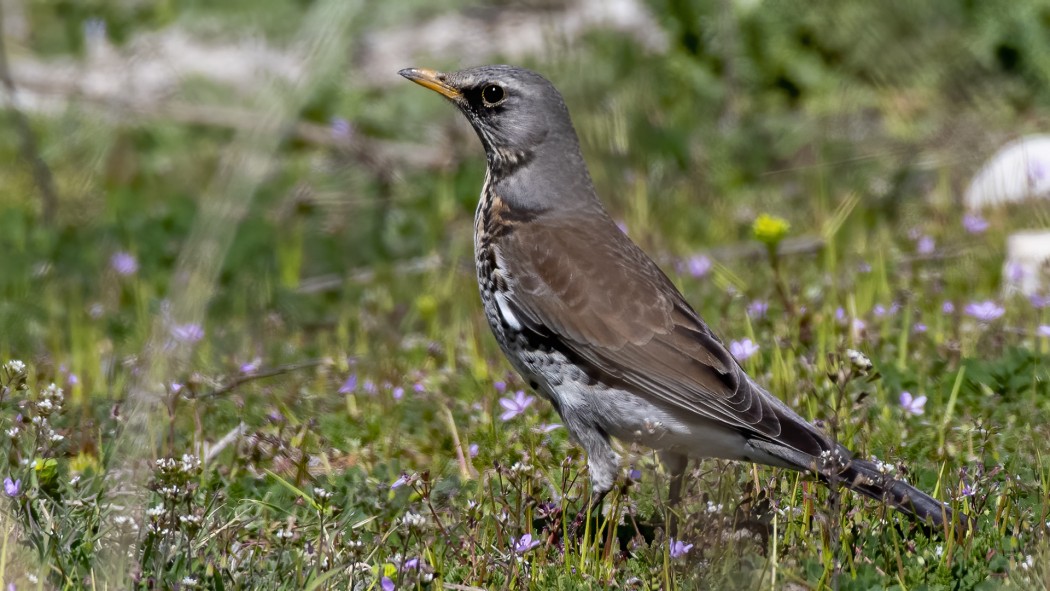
point(866, 478)
point(838, 468)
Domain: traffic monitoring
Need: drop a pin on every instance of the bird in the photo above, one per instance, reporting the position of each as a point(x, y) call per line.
point(594, 325)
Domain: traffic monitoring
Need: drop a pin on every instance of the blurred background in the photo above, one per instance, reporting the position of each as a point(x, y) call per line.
point(695, 116)
point(197, 197)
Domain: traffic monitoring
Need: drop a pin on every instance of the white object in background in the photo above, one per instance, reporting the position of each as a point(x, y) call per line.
point(1018, 171)
point(1027, 266)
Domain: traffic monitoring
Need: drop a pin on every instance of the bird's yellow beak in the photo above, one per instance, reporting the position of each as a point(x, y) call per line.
point(433, 80)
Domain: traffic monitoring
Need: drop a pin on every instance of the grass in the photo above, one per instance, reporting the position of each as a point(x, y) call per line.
point(362, 438)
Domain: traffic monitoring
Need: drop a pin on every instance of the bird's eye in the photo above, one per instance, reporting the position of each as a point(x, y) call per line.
point(492, 94)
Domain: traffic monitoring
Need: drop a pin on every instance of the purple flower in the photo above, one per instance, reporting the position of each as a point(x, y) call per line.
point(187, 333)
point(341, 129)
point(547, 428)
point(515, 406)
point(400, 481)
point(879, 310)
point(524, 544)
point(370, 387)
point(124, 263)
point(634, 474)
point(349, 385)
point(986, 311)
point(398, 393)
point(419, 388)
point(967, 491)
point(698, 266)
point(12, 488)
point(840, 314)
point(925, 245)
point(915, 406)
point(757, 309)
point(251, 367)
point(974, 223)
point(743, 349)
point(1037, 170)
point(387, 584)
point(473, 450)
point(1015, 272)
point(948, 308)
point(410, 564)
point(1043, 330)
point(679, 548)
point(918, 328)
point(500, 386)
point(1039, 302)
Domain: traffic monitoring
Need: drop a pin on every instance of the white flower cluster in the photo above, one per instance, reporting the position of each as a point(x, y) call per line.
point(859, 361)
point(413, 520)
point(884, 468)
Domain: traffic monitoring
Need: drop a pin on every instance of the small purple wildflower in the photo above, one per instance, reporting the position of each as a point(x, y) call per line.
point(419, 388)
point(1015, 272)
point(967, 491)
point(524, 544)
point(473, 450)
point(387, 584)
point(402, 481)
point(12, 488)
point(1039, 301)
point(187, 333)
point(500, 386)
point(743, 349)
point(840, 314)
point(398, 393)
point(757, 309)
point(515, 406)
point(679, 548)
point(1043, 330)
point(919, 328)
point(251, 367)
point(634, 474)
point(1037, 170)
point(547, 428)
point(986, 311)
point(349, 385)
point(341, 129)
point(698, 266)
point(124, 263)
point(370, 387)
point(948, 307)
point(879, 310)
point(925, 245)
point(974, 223)
point(913, 405)
point(410, 564)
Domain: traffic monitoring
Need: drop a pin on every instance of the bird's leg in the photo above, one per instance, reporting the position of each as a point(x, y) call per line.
point(676, 466)
point(602, 463)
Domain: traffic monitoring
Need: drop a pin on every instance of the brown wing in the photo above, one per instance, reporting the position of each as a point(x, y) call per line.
point(615, 310)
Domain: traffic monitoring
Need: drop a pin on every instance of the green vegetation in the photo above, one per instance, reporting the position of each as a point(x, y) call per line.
point(338, 350)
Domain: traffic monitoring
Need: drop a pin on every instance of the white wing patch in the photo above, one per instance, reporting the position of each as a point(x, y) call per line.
point(505, 311)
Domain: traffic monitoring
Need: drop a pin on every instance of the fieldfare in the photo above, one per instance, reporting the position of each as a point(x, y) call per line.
point(594, 325)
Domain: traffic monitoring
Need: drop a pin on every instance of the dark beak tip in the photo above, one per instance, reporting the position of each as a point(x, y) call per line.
point(407, 72)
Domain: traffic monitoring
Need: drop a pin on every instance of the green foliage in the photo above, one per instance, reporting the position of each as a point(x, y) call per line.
point(847, 119)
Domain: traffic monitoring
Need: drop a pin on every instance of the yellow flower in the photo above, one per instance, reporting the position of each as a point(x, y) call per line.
point(769, 229)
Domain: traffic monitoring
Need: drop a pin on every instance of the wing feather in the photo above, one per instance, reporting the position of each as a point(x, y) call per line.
point(613, 308)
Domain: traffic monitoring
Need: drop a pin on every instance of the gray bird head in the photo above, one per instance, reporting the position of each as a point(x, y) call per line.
point(518, 114)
